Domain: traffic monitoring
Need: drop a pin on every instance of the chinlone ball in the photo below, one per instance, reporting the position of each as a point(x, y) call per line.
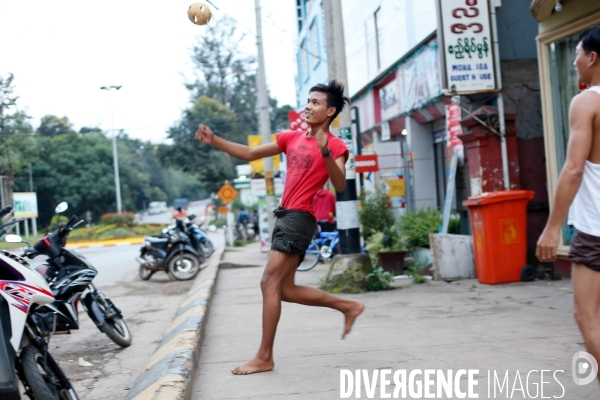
point(199, 13)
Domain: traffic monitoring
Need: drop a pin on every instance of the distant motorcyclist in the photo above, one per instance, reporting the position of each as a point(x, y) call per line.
point(180, 213)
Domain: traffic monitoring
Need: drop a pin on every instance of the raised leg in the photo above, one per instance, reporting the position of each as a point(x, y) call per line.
point(292, 293)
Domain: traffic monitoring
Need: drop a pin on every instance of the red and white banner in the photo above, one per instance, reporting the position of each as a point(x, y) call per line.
point(366, 163)
point(453, 127)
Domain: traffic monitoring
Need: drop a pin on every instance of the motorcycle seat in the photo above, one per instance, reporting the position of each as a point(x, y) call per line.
point(156, 240)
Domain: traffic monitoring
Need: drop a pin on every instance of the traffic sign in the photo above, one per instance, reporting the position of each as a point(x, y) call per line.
point(397, 187)
point(223, 209)
point(366, 163)
point(227, 193)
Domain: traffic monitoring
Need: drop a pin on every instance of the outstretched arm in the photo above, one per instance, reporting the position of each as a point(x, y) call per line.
point(205, 135)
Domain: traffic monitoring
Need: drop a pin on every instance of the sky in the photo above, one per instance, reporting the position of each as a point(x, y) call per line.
point(61, 52)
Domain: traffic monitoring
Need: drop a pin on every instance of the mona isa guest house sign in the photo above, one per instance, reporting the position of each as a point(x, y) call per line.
point(467, 46)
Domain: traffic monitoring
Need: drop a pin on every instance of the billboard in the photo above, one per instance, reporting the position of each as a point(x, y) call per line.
point(25, 205)
point(467, 46)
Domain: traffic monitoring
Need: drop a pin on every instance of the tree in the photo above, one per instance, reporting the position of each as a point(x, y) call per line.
point(210, 165)
point(51, 125)
point(16, 134)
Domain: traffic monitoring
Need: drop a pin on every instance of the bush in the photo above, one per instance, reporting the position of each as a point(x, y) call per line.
point(379, 280)
point(418, 225)
point(125, 218)
point(375, 215)
point(55, 220)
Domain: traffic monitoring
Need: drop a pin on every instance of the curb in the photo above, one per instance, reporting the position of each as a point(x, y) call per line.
point(98, 244)
point(170, 373)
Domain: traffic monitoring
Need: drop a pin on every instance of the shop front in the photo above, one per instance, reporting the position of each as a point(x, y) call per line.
point(402, 120)
point(558, 36)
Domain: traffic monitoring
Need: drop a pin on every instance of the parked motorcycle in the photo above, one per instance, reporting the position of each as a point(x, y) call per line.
point(69, 275)
point(24, 335)
point(199, 237)
point(171, 251)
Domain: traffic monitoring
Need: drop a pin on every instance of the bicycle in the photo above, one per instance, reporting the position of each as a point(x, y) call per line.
point(323, 247)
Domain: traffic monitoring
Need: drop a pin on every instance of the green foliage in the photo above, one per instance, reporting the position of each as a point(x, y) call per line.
point(413, 269)
point(55, 220)
point(375, 215)
point(237, 204)
point(78, 168)
point(379, 280)
point(418, 225)
point(388, 240)
point(125, 218)
point(53, 126)
point(113, 231)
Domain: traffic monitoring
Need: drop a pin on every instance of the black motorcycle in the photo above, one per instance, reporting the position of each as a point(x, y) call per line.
point(69, 275)
point(199, 238)
point(171, 251)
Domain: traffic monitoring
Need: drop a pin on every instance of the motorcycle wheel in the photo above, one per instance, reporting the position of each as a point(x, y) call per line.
point(207, 248)
point(184, 267)
point(145, 273)
point(115, 328)
point(42, 378)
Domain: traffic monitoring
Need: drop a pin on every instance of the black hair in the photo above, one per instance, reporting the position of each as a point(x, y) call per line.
point(590, 40)
point(334, 90)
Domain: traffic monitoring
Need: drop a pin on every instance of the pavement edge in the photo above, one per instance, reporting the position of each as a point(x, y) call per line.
point(172, 367)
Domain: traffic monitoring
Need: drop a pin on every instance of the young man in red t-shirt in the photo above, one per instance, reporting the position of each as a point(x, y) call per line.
point(313, 157)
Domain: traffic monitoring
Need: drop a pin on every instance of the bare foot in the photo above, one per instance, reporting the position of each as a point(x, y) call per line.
point(254, 366)
point(351, 315)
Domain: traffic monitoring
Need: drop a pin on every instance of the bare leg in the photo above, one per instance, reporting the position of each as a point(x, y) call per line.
point(277, 267)
point(586, 285)
point(310, 296)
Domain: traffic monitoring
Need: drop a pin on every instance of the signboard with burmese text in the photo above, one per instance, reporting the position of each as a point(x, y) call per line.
point(467, 45)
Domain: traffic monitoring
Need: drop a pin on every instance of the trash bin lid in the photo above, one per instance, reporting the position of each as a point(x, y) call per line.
point(497, 197)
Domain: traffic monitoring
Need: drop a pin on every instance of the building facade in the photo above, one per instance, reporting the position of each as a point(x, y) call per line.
point(311, 55)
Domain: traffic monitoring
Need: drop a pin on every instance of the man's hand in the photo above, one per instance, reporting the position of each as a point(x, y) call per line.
point(547, 245)
point(322, 141)
point(204, 134)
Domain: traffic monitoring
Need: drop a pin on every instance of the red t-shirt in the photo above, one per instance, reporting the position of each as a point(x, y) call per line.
point(306, 169)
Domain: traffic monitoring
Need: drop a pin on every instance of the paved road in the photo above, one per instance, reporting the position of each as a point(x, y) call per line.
point(147, 307)
point(197, 208)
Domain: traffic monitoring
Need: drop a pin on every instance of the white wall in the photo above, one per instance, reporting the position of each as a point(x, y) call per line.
point(402, 25)
point(420, 141)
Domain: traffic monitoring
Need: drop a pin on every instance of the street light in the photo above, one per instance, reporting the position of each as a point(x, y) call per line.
point(115, 156)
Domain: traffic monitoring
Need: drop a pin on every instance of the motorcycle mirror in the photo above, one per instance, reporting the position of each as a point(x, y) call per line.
point(61, 207)
point(13, 239)
point(191, 217)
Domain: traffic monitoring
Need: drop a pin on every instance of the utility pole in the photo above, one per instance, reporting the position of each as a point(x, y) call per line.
point(264, 120)
point(502, 122)
point(348, 222)
point(115, 155)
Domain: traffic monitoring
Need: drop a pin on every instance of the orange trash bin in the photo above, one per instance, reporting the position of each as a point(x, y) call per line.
point(499, 225)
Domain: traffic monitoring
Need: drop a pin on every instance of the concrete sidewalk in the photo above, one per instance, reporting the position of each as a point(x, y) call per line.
point(503, 329)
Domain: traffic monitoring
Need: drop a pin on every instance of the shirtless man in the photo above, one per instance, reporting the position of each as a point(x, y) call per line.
point(313, 157)
point(579, 189)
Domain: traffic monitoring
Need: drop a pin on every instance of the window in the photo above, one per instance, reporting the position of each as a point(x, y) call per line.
point(376, 18)
point(303, 54)
point(299, 14)
point(373, 36)
point(565, 86)
point(314, 44)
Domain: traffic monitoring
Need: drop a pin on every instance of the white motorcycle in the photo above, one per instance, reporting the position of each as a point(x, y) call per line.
point(23, 346)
